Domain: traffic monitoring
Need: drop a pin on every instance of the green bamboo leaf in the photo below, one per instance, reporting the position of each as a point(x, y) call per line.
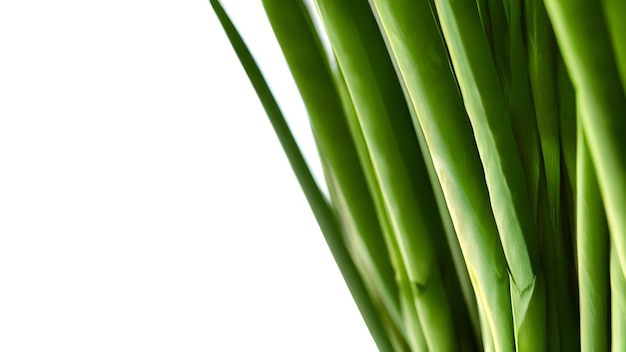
point(592, 236)
point(588, 54)
point(322, 211)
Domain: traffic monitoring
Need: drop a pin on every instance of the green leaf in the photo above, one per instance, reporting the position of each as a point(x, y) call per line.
point(588, 55)
point(542, 66)
point(618, 303)
point(307, 61)
point(453, 269)
point(442, 118)
point(486, 106)
point(614, 11)
point(592, 236)
point(388, 133)
point(322, 211)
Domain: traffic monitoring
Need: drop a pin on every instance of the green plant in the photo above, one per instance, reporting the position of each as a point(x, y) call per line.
point(471, 148)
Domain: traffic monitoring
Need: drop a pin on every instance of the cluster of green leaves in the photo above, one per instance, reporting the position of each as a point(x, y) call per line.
point(472, 149)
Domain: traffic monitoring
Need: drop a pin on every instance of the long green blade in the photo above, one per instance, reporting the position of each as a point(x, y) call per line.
point(618, 303)
point(567, 131)
point(592, 236)
point(311, 71)
point(485, 103)
point(380, 108)
point(588, 55)
point(487, 109)
point(321, 210)
point(454, 271)
point(614, 11)
point(542, 65)
point(411, 27)
point(412, 325)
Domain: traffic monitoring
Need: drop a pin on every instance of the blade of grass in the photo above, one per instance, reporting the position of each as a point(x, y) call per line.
point(593, 256)
point(357, 248)
point(541, 53)
point(588, 54)
point(379, 104)
point(614, 11)
point(524, 87)
point(544, 227)
point(396, 333)
point(411, 27)
point(483, 10)
point(542, 61)
point(417, 340)
point(618, 303)
point(321, 210)
point(454, 271)
point(487, 335)
point(567, 129)
point(412, 326)
point(524, 119)
point(307, 61)
point(510, 58)
point(487, 109)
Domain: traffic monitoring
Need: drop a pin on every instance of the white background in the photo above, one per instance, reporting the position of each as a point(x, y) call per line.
point(145, 203)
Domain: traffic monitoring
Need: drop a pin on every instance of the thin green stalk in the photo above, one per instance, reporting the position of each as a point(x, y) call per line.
point(416, 338)
point(614, 11)
point(618, 326)
point(618, 303)
point(541, 54)
point(487, 335)
point(308, 64)
point(487, 109)
point(411, 323)
point(567, 129)
point(411, 27)
point(454, 271)
point(542, 64)
point(592, 235)
point(544, 226)
point(323, 213)
point(527, 84)
point(396, 333)
point(588, 55)
point(357, 248)
point(512, 64)
point(483, 11)
point(380, 108)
